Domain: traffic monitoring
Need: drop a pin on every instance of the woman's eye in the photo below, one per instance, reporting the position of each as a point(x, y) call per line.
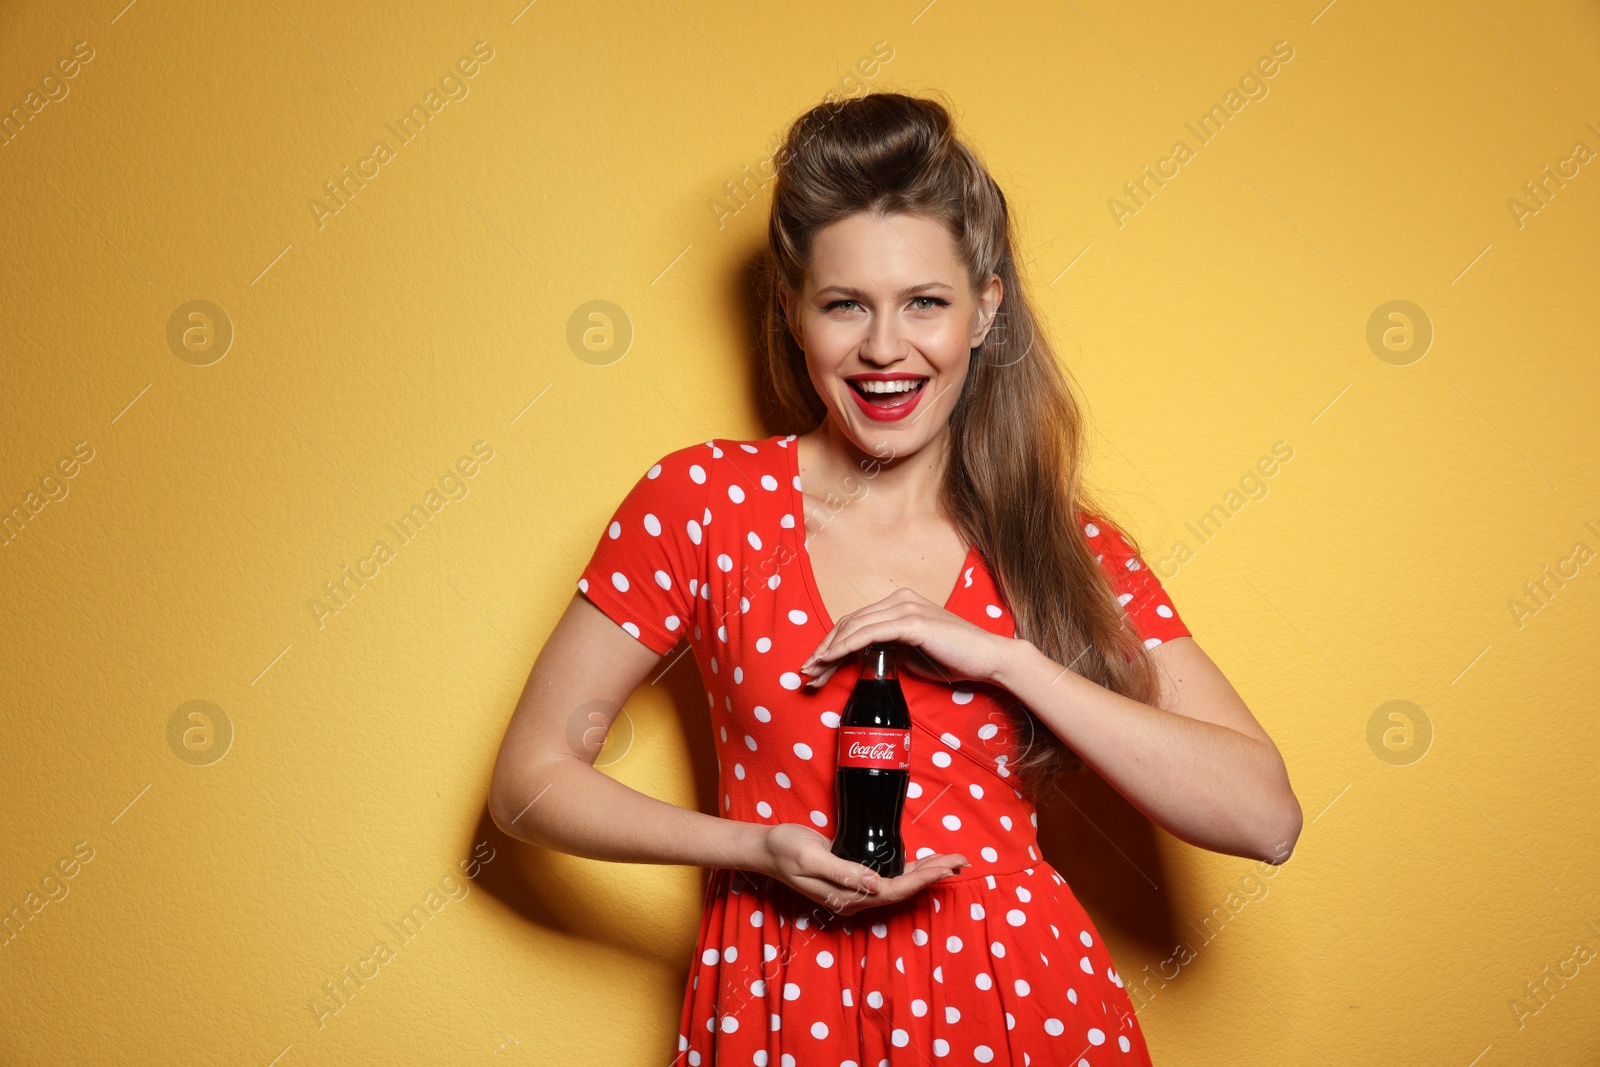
point(837, 303)
point(935, 301)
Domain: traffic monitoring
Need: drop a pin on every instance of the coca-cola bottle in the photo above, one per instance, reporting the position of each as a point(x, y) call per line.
point(874, 765)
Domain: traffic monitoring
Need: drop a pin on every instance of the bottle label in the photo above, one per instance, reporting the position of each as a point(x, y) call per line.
point(872, 746)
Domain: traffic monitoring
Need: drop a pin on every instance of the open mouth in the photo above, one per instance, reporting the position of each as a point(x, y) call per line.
point(888, 395)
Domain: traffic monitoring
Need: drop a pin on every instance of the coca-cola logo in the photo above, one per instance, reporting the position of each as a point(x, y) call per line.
point(883, 750)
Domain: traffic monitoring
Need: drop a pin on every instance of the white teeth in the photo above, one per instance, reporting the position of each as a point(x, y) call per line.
point(904, 385)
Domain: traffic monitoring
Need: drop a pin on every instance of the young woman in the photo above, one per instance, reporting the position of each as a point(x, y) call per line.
point(936, 504)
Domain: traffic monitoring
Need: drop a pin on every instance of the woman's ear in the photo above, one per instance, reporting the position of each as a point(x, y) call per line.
point(988, 308)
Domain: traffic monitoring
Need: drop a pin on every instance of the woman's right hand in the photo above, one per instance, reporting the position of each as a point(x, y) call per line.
point(803, 859)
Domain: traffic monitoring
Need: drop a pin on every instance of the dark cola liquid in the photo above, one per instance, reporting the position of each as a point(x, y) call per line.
point(873, 766)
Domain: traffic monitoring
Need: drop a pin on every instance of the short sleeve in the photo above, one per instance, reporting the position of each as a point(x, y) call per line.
point(643, 571)
point(1139, 591)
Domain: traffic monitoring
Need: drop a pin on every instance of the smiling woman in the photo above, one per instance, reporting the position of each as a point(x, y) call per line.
point(935, 501)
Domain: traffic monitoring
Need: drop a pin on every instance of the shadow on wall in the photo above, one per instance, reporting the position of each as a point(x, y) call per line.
point(580, 897)
point(1107, 851)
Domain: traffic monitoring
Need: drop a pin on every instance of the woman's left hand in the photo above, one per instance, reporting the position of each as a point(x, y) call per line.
point(952, 649)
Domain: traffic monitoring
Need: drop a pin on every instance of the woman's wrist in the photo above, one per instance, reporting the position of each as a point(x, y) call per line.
point(749, 846)
point(1016, 654)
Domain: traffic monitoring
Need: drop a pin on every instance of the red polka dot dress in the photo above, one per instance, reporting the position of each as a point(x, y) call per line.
point(996, 965)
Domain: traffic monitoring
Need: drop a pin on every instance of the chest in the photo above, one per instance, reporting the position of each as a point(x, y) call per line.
point(853, 566)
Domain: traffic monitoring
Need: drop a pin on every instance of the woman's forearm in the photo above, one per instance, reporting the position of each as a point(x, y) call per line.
point(1205, 784)
point(566, 804)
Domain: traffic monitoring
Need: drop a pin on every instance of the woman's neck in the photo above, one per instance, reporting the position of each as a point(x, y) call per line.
point(889, 488)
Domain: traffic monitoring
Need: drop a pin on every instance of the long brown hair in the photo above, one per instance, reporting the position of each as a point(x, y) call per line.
point(1012, 484)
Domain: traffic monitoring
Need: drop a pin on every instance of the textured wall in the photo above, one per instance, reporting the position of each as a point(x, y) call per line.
point(280, 275)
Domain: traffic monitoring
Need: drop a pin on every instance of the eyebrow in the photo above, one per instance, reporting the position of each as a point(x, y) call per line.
point(850, 291)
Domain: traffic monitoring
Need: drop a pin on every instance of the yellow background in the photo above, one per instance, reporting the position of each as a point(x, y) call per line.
point(369, 353)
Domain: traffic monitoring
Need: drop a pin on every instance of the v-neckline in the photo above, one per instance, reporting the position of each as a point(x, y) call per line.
point(797, 497)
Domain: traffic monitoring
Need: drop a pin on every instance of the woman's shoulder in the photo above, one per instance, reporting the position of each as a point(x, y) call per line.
point(729, 452)
point(695, 477)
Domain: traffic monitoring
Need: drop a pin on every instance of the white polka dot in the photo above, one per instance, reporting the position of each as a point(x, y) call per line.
point(924, 851)
point(724, 562)
point(997, 949)
point(880, 930)
point(899, 1037)
point(940, 759)
point(631, 628)
point(941, 1047)
point(1164, 611)
point(977, 910)
point(976, 790)
point(697, 474)
point(961, 696)
point(791, 991)
point(729, 1024)
point(1015, 917)
point(919, 936)
point(1151, 642)
point(738, 771)
point(653, 472)
point(952, 1014)
point(1122, 1043)
point(735, 494)
point(789, 680)
point(988, 853)
point(802, 750)
point(1022, 988)
point(694, 531)
point(952, 943)
point(1096, 1036)
point(755, 542)
point(757, 918)
point(1083, 935)
point(672, 622)
point(750, 742)
point(919, 1008)
point(663, 579)
point(913, 790)
point(987, 730)
point(763, 643)
point(824, 959)
point(619, 580)
point(875, 1000)
point(819, 1029)
point(798, 617)
point(709, 957)
point(763, 809)
point(1092, 530)
point(782, 779)
point(818, 818)
point(1054, 1027)
point(1005, 820)
point(951, 822)
point(983, 981)
point(1085, 966)
point(1023, 894)
point(830, 719)
point(983, 1053)
point(993, 611)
